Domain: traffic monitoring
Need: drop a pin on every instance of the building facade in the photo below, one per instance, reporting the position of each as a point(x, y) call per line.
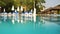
point(52, 10)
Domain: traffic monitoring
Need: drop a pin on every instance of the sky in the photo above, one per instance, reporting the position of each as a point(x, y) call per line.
point(51, 3)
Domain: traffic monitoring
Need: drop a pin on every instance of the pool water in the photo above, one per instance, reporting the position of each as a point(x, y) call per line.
point(28, 25)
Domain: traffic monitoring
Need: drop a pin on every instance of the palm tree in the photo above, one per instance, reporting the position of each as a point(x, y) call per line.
point(30, 4)
point(37, 4)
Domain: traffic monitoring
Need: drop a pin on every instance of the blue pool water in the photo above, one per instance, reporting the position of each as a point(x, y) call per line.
point(29, 25)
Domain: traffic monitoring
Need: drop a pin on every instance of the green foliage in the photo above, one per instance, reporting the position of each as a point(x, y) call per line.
point(16, 3)
point(28, 3)
point(2, 4)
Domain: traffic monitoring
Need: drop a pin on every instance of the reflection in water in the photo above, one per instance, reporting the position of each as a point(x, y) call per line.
point(21, 21)
point(5, 17)
point(51, 19)
point(34, 18)
point(30, 18)
point(15, 17)
point(18, 20)
point(13, 21)
point(28, 25)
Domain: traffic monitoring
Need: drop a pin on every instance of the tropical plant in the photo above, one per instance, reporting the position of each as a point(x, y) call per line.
point(30, 4)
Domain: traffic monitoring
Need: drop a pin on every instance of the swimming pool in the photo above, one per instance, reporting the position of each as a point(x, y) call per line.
point(19, 24)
